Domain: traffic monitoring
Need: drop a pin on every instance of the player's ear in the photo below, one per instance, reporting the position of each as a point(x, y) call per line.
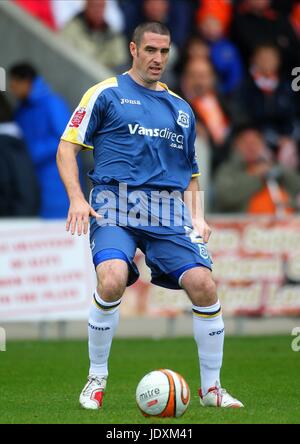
point(133, 49)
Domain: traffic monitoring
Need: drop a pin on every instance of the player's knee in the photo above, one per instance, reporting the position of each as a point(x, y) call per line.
point(111, 288)
point(112, 279)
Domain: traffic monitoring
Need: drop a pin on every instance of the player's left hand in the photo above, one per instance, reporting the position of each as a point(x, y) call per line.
point(202, 228)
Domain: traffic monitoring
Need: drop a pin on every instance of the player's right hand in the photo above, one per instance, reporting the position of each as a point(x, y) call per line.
point(78, 216)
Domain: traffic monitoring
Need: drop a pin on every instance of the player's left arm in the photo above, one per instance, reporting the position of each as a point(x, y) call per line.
point(193, 200)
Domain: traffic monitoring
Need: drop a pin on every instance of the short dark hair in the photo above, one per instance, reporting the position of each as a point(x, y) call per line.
point(155, 27)
point(23, 71)
point(243, 127)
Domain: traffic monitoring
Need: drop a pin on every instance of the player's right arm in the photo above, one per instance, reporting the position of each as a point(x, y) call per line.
point(79, 210)
point(78, 135)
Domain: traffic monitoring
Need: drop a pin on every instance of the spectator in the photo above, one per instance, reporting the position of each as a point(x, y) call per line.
point(267, 99)
point(255, 22)
point(198, 86)
point(213, 20)
point(42, 115)
point(250, 181)
point(177, 15)
point(156, 10)
point(18, 184)
point(90, 33)
point(56, 13)
point(196, 48)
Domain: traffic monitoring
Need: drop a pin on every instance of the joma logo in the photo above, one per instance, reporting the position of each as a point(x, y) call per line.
point(94, 327)
point(130, 102)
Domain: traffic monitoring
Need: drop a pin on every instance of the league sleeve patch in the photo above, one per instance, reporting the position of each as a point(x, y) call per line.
point(78, 118)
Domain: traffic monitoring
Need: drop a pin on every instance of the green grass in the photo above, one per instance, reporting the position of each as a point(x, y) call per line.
point(40, 382)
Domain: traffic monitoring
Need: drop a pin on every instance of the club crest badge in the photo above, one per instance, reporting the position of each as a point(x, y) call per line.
point(183, 119)
point(203, 251)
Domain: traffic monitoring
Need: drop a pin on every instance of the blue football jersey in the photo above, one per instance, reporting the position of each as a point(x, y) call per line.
point(141, 137)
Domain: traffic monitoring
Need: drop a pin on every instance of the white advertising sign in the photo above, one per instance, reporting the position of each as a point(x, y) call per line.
point(45, 273)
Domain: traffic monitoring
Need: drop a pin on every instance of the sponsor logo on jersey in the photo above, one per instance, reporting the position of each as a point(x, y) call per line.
point(78, 118)
point(130, 102)
point(163, 133)
point(183, 119)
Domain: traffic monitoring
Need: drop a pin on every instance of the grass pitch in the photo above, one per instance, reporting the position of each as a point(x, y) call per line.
point(40, 382)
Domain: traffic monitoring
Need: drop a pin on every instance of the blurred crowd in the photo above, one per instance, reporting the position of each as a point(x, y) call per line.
point(231, 60)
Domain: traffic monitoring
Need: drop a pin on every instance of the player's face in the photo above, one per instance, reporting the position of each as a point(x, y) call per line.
point(151, 57)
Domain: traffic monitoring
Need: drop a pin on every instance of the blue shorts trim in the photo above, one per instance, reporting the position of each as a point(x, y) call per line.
point(109, 253)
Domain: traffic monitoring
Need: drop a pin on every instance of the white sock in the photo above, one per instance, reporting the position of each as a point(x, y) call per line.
point(103, 321)
point(209, 335)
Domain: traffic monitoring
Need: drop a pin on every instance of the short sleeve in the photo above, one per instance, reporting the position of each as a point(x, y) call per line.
point(192, 153)
point(88, 116)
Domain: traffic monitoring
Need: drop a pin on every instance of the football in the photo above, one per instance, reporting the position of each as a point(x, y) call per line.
point(163, 393)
